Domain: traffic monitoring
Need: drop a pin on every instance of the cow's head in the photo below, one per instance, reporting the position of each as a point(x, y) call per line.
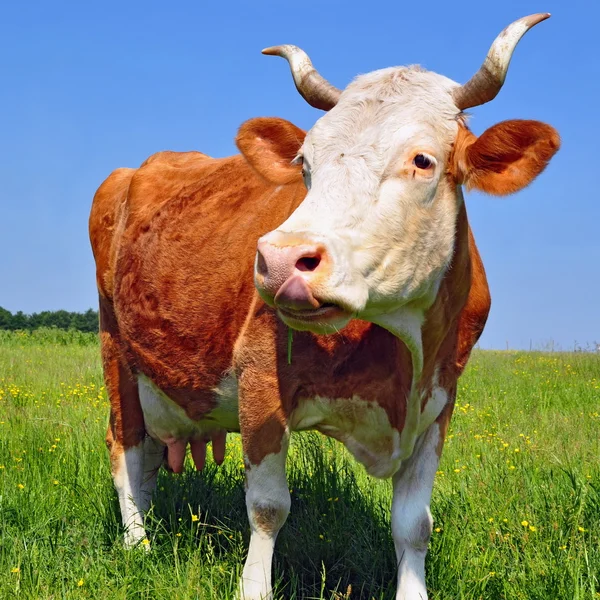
point(383, 169)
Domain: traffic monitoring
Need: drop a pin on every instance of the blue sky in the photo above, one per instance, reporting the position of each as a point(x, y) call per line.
point(88, 87)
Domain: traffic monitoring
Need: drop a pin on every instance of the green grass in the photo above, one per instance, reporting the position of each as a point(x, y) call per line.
point(524, 447)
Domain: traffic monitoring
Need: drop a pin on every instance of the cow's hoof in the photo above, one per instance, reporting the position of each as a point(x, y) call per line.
point(137, 541)
point(253, 590)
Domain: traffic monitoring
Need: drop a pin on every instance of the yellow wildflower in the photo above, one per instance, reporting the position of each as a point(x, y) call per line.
point(15, 570)
point(195, 518)
point(145, 541)
point(80, 583)
point(21, 486)
point(525, 523)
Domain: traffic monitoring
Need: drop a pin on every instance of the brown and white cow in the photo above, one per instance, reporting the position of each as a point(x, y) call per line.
point(364, 248)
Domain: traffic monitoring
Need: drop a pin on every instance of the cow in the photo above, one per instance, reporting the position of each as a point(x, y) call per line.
point(350, 246)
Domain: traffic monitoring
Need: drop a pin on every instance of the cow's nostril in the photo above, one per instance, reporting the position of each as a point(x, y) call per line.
point(308, 263)
point(261, 264)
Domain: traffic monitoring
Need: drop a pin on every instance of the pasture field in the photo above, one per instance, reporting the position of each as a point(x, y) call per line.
point(516, 501)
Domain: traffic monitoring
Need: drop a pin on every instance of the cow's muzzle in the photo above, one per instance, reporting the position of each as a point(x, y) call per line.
point(289, 268)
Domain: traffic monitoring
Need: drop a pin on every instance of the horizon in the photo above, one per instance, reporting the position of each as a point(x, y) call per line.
point(88, 92)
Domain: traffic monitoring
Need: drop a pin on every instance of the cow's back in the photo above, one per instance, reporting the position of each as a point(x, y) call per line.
point(109, 210)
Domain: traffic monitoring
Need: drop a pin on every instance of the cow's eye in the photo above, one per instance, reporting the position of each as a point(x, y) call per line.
point(422, 162)
point(306, 177)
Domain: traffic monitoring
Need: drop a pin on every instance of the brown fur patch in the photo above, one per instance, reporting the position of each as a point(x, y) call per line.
point(267, 518)
point(126, 426)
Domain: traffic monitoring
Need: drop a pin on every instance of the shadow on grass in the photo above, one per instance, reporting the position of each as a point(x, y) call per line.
point(337, 534)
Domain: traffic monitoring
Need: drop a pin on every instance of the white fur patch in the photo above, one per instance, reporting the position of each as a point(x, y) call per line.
point(268, 504)
point(134, 476)
point(128, 472)
point(363, 427)
point(411, 517)
point(435, 404)
point(165, 419)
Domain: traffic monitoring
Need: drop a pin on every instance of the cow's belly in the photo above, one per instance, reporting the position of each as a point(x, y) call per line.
point(169, 423)
point(362, 426)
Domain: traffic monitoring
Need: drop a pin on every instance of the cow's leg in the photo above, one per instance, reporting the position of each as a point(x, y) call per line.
point(265, 438)
point(268, 505)
point(126, 433)
point(134, 470)
point(411, 517)
point(127, 465)
point(154, 456)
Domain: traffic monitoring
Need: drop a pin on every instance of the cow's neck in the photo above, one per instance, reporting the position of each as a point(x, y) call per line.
point(431, 334)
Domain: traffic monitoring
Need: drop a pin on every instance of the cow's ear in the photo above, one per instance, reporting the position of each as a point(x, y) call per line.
point(270, 145)
point(506, 158)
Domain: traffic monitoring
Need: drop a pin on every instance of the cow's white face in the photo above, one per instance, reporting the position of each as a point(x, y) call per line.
point(376, 229)
point(375, 234)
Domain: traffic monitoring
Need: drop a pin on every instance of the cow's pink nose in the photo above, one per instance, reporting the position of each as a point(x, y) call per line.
point(283, 272)
point(296, 295)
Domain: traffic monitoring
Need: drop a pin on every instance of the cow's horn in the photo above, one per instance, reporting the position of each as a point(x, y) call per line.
point(488, 81)
point(316, 90)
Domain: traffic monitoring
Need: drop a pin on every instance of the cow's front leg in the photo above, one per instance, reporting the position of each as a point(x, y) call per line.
point(411, 517)
point(268, 505)
point(265, 438)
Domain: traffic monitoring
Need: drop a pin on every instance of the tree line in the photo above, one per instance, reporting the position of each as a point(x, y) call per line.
point(61, 319)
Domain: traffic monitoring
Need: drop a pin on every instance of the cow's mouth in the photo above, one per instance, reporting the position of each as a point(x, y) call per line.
point(325, 314)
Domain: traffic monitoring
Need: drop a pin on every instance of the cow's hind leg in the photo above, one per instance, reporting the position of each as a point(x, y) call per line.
point(411, 516)
point(134, 458)
point(154, 457)
point(134, 470)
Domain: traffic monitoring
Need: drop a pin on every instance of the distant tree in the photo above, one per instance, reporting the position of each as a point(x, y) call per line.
point(61, 319)
point(5, 319)
point(87, 321)
point(91, 323)
point(20, 321)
